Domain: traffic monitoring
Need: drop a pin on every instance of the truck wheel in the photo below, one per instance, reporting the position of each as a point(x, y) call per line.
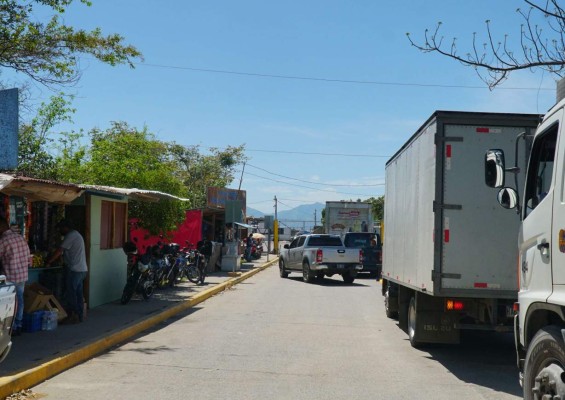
point(388, 311)
point(307, 274)
point(348, 278)
point(413, 323)
point(544, 367)
point(282, 270)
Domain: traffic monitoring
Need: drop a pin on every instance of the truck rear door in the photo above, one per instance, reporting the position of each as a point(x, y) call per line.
point(477, 237)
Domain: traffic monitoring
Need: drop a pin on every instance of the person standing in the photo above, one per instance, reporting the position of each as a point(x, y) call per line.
point(248, 247)
point(15, 256)
point(72, 250)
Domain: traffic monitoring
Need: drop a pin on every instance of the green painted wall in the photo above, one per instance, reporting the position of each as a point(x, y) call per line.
point(108, 268)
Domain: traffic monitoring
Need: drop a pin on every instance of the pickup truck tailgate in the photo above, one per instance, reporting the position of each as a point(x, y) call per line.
point(339, 256)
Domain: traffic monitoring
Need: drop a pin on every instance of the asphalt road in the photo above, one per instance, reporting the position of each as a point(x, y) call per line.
point(273, 338)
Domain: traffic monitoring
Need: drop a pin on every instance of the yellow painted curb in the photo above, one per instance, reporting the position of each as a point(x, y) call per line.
point(26, 379)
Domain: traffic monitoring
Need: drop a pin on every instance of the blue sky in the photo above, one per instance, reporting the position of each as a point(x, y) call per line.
point(350, 40)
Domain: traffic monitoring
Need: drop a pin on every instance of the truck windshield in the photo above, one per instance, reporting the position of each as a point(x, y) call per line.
point(540, 170)
point(325, 241)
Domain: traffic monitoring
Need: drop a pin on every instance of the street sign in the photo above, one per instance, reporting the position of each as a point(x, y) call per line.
point(269, 222)
point(234, 211)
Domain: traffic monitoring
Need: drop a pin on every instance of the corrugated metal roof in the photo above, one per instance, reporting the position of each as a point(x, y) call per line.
point(135, 194)
point(58, 192)
point(39, 189)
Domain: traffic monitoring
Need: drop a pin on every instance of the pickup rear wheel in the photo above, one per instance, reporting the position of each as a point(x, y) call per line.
point(282, 270)
point(544, 367)
point(307, 274)
point(348, 277)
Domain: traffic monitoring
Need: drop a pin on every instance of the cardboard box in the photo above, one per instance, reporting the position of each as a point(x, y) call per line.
point(37, 298)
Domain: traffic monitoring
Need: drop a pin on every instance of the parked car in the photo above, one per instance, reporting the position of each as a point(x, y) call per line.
point(317, 256)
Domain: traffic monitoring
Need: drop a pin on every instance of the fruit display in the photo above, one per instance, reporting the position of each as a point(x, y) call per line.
point(37, 260)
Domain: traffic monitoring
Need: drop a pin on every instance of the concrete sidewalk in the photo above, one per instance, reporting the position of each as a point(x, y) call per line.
point(37, 356)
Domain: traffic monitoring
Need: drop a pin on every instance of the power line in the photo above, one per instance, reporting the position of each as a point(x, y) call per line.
point(302, 186)
point(259, 202)
point(307, 153)
point(330, 80)
point(315, 183)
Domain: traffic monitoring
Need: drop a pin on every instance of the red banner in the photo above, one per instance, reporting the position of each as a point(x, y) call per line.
point(189, 230)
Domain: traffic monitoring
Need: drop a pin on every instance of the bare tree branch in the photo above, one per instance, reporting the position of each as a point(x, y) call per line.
point(495, 59)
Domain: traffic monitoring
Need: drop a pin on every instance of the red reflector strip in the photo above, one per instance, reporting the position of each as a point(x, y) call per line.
point(483, 130)
point(481, 285)
point(448, 151)
point(446, 235)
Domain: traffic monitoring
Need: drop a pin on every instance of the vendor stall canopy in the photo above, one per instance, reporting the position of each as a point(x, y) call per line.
point(57, 192)
point(134, 194)
point(39, 189)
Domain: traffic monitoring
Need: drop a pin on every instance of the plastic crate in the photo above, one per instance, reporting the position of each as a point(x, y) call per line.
point(32, 321)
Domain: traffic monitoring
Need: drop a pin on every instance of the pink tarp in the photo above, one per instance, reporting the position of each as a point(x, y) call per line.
point(190, 230)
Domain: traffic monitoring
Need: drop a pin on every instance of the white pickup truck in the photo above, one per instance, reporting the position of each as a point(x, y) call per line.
point(7, 315)
point(317, 256)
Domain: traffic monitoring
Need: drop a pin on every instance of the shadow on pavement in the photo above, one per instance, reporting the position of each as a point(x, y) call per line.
point(485, 359)
point(33, 349)
point(327, 282)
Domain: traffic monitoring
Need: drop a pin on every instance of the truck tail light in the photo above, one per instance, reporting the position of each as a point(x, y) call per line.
point(319, 256)
point(516, 307)
point(361, 256)
point(379, 257)
point(454, 305)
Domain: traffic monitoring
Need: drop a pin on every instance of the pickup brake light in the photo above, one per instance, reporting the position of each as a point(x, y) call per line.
point(319, 256)
point(361, 256)
point(379, 257)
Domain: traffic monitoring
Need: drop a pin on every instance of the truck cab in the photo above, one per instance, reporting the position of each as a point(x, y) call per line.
point(540, 311)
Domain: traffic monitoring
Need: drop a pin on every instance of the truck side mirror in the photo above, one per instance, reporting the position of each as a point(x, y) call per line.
point(286, 246)
point(508, 198)
point(494, 168)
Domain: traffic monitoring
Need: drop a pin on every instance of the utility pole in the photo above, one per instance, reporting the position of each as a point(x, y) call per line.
point(315, 218)
point(241, 179)
point(276, 228)
point(276, 208)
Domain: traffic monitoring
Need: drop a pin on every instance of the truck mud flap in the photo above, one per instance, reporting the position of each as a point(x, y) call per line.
point(434, 325)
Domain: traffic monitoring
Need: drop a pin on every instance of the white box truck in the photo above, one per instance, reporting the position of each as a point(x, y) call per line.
point(447, 259)
point(347, 216)
point(540, 311)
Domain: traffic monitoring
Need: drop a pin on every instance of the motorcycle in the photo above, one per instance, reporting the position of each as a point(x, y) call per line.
point(140, 279)
point(256, 251)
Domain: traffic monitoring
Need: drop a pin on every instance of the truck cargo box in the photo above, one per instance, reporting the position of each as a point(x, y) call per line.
point(444, 234)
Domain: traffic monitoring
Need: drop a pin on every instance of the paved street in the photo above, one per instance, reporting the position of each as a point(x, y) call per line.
point(270, 338)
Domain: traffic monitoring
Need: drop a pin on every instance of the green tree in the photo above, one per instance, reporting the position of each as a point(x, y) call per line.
point(124, 156)
point(35, 157)
point(48, 52)
point(198, 171)
point(377, 207)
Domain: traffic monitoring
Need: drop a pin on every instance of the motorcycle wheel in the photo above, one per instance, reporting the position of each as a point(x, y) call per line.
point(147, 290)
point(192, 273)
point(127, 294)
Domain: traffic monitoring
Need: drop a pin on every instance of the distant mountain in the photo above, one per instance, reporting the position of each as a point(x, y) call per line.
point(297, 217)
point(302, 215)
point(251, 212)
